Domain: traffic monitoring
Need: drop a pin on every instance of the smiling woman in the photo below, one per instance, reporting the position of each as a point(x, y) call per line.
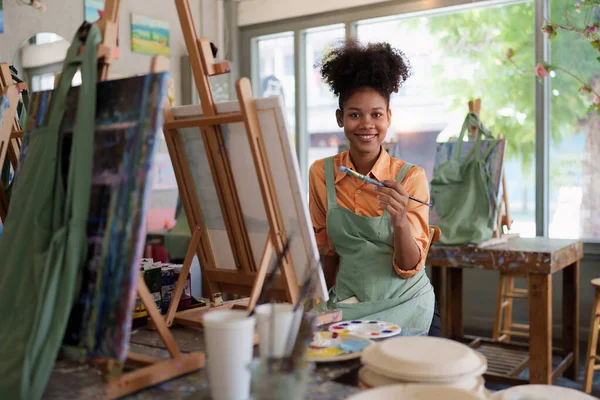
point(371, 238)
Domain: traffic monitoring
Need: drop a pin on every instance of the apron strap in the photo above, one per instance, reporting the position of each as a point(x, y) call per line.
point(403, 171)
point(330, 183)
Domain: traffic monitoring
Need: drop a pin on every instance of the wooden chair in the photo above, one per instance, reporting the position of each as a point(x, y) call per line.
point(592, 358)
point(504, 327)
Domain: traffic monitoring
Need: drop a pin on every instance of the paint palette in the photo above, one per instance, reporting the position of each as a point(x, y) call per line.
point(333, 347)
point(370, 329)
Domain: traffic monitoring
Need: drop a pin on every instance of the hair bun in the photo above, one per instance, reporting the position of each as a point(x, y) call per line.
point(352, 65)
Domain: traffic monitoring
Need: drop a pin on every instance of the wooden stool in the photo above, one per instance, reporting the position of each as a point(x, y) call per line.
point(504, 327)
point(590, 361)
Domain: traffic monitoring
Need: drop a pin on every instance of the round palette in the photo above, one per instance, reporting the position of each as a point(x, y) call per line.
point(424, 359)
point(332, 347)
point(370, 329)
point(414, 392)
point(540, 392)
point(371, 379)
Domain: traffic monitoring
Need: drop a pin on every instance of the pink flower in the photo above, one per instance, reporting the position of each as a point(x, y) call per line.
point(596, 99)
point(509, 53)
point(36, 4)
point(43, 7)
point(585, 89)
point(549, 30)
point(541, 71)
point(591, 29)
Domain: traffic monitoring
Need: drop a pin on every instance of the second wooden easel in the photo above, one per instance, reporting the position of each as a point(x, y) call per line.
point(10, 131)
point(247, 278)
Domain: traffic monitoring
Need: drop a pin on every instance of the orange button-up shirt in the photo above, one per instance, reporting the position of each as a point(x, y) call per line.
point(361, 198)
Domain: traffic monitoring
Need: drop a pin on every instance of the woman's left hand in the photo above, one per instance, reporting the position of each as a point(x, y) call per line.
point(394, 199)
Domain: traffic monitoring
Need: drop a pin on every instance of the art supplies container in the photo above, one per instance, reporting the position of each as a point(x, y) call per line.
point(150, 273)
point(153, 279)
point(186, 296)
point(228, 336)
point(168, 286)
point(274, 328)
point(279, 384)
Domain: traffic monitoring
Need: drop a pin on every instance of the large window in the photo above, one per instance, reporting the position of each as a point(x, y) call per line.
point(276, 74)
point(575, 133)
point(459, 54)
point(325, 137)
point(456, 57)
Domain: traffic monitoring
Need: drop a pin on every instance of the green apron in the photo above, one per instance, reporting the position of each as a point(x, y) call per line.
point(44, 244)
point(366, 249)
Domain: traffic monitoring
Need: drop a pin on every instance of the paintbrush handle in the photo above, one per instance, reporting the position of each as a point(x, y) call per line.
point(376, 183)
point(420, 201)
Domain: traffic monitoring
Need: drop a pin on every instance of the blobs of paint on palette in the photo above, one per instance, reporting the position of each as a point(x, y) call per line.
point(354, 345)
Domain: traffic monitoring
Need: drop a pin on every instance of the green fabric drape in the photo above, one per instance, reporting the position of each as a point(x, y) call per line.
point(44, 244)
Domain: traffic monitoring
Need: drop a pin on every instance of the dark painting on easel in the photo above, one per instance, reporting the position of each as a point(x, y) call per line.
point(129, 114)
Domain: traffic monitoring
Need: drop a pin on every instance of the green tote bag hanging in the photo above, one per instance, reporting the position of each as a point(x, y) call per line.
point(44, 244)
point(462, 191)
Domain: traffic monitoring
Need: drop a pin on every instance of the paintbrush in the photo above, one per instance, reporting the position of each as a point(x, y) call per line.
point(376, 183)
point(270, 278)
point(304, 292)
point(305, 336)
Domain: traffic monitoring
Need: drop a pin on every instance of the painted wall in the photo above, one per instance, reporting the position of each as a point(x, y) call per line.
point(252, 12)
point(64, 17)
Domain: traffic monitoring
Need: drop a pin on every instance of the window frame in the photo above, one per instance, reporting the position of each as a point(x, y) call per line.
point(398, 8)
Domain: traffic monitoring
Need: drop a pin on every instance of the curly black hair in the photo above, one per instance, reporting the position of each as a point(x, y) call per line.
point(352, 65)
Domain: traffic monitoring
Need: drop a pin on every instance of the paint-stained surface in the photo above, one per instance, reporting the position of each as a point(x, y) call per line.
point(520, 255)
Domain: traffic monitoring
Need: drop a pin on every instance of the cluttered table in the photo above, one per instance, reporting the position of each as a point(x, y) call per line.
point(70, 381)
point(538, 259)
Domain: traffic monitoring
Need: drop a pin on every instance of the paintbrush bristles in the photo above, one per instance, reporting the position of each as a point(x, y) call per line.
point(270, 277)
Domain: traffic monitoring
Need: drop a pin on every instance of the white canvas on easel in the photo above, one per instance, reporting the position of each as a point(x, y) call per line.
point(286, 178)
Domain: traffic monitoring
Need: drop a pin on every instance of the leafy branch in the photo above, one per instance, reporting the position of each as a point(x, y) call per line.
point(590, 32)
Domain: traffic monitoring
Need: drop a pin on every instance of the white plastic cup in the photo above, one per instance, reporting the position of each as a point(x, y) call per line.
point(229, 341)
point(275, 334)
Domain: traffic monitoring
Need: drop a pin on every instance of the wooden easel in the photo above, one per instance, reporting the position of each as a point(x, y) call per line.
point(248, 277)
point(152, 370)
point(503, 219)
point(10, 132)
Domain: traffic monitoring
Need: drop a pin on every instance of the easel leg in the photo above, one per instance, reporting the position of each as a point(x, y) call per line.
point(159, 322)
point(185, 270)
point(157, 370)
point(262, 273)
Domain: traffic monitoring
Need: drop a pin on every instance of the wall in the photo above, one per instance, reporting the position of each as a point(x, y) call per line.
point(252, 12)
point(64, 17)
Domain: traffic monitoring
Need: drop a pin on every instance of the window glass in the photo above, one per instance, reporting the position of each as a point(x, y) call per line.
point(276, 72)
point(575, 129)
point(457, 57)
point(326, 137)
